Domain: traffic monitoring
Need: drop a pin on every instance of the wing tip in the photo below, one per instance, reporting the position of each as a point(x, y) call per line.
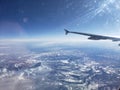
point(66, 31)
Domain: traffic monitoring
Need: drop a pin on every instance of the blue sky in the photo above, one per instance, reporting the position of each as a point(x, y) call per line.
point(48, 18)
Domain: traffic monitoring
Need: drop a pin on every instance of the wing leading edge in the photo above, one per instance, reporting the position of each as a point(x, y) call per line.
point(94, 36)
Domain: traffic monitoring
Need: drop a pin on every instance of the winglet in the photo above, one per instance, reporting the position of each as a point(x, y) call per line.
point(66, 31)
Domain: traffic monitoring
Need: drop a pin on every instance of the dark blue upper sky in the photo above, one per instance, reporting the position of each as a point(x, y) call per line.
point(36, 18)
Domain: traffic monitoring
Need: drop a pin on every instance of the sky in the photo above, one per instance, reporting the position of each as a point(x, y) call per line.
point(48, 18)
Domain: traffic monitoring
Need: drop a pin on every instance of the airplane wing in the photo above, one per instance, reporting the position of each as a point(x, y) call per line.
point(94, 36)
